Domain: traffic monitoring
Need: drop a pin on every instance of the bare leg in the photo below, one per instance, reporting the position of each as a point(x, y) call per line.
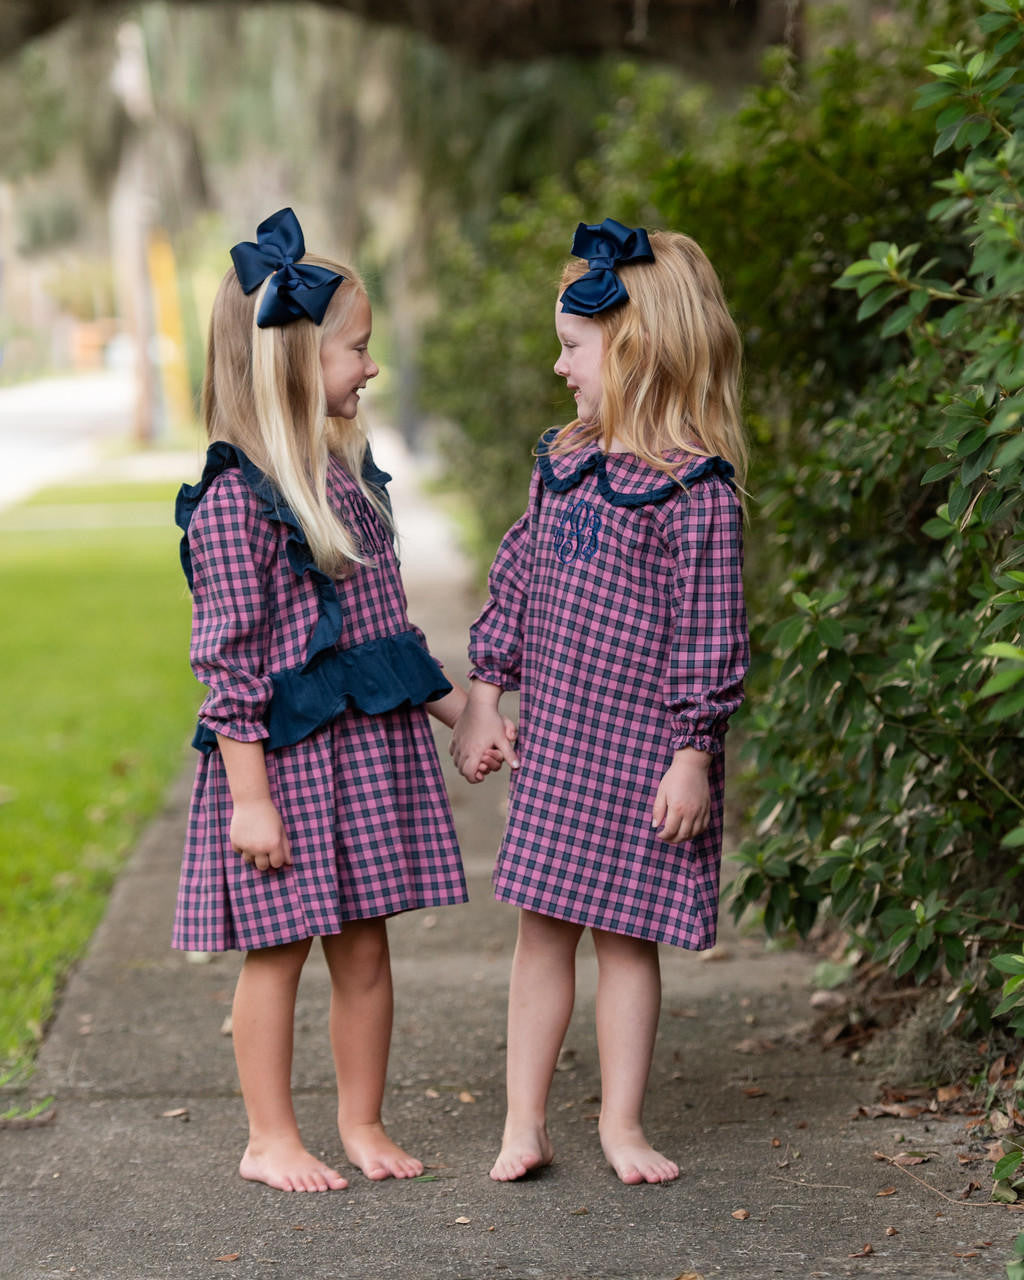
point(628, 1005)
point(541, 992)
point(361, 1013)
point(262, 1022)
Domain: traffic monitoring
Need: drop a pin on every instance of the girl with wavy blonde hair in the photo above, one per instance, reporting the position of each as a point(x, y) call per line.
point(616, 607)
point(670, 378)
point(318, 809)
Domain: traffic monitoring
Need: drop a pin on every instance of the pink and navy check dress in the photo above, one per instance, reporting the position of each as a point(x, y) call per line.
point(617, 607)
point(331, 677)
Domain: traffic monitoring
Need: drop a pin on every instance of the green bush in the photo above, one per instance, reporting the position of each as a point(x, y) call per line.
point(889, 754)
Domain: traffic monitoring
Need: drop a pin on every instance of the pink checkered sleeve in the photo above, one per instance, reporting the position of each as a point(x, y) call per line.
point(710, 650)
point(231, 546)
point(496, 638)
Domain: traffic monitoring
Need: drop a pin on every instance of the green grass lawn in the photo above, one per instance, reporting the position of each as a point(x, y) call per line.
point(98, 702)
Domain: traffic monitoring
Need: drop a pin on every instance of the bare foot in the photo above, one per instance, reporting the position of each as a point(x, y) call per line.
point(634, 1159)
point(288, 1166)
point(370, 1149)
point(521, 1151)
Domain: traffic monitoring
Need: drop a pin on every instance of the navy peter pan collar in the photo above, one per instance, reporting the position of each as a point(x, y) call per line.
point(622, 479)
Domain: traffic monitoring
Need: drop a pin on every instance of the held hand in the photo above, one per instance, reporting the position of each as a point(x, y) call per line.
point(682, 806)
point(482, 740)
point(493, 758)
point(258, 834)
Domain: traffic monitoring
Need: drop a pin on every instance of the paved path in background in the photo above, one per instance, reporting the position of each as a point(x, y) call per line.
point(136, 1177)
point(55, 428)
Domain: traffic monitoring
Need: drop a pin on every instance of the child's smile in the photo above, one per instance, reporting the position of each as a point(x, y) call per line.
point(579, 363)
point(346, 362)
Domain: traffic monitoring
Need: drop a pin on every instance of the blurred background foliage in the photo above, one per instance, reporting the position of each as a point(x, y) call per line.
point(883, 783)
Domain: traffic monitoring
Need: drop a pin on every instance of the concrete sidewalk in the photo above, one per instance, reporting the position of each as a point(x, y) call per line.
point(136, 1176)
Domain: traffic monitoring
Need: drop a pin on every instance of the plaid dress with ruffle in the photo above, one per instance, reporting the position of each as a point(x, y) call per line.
point(283, 647)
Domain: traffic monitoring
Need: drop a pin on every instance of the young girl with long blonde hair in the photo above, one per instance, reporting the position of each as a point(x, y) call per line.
point(616, 605)
point(318, 808)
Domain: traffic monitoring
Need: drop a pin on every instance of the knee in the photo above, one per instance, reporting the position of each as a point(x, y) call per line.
point(538, 933)
point(360, 955)
point(623, 951)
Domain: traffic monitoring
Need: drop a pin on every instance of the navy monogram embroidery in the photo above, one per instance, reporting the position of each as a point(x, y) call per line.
point(364, 522)
point(576, 535)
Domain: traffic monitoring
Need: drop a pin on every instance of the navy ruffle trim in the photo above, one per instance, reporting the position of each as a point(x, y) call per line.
point(378, 676)
point(596, 462)
point(219, 458)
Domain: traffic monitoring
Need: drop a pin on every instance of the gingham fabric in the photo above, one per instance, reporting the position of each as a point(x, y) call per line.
point(617, 607)
point(362, 799)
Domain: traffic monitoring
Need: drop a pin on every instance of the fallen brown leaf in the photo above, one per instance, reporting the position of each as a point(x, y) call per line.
point(969, 1190)
point(886, 1191)
point(754, 1045)
point(754, 1091)
point(228, 1257)
point(973, 1254)
point(1000, 1122)
point(828, 1000)
point(463, 1222)
point(866, 1252)
point(906, 1158)
point(949, 1092)
point(741, 1215)
point(995, 1071)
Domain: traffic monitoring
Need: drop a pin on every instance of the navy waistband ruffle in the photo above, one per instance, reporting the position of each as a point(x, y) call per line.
point(378, 676)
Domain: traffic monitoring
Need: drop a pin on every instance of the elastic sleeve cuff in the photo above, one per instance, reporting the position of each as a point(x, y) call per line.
point(713, 744)
point(508, 683)
point(237, 730)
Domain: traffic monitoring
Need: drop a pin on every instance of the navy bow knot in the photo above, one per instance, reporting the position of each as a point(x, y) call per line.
point(605, 246)
point(297, 289)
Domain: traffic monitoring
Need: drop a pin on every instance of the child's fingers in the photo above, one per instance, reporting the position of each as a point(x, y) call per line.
point(283, 853)
point(680, 825)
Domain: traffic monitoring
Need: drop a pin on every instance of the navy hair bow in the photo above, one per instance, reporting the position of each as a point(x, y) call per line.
point(605, 247)
point(296, 289)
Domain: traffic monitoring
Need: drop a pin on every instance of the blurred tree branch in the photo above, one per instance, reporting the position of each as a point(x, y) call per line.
point(710, 37)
